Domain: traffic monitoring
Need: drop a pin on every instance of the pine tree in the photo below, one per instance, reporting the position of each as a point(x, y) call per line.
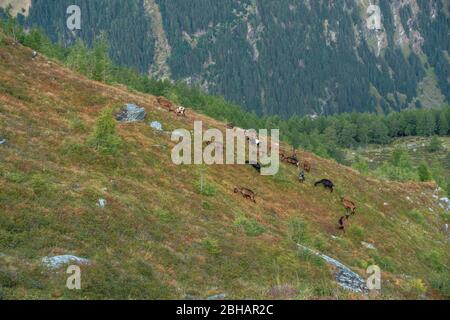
point(101, 62)
point(79, 59)
point(105, 138)
point(443, 125)
point(424, 172)
point(435, 145)
point(426, 123)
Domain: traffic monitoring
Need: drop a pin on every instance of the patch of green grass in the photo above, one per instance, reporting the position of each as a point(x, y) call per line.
point(205, 189)
point(16, 92)
point(280, 177)
point(356, 233)
point(385, 263)
point(416, 287)
point(324, 288)
point(441, 282)
point(251, 227)
point(165, 216)
point(299, 231)
point(14, 177)
point(446, 216)
point(434, 260)
point(212, 246)
point(206, 205)
point(40, 184)
point(76, 124)
point(416, 216)
point(310, 257)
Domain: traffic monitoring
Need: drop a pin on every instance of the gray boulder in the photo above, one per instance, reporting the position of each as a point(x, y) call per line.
point(156, 126)
point(131, 113)
point(59, 261)
point(101, 203)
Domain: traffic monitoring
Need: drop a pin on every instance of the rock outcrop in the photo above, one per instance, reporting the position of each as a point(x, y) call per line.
point(345, 277)
point(131, 113)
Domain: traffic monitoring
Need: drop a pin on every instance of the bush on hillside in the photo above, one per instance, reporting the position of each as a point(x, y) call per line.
point(424, 172)
point(251, 227)
point(104, 138)
point(435, 145)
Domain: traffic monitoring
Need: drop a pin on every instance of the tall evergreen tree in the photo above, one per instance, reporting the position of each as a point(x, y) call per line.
point(443, 124)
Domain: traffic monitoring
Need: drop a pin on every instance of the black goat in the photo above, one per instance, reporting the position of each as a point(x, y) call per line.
point(255, 165)
point(326, 183)
point(342, 223)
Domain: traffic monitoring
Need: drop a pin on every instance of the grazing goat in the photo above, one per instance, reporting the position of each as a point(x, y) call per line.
point(292, 160)
point(342, 223)
point(307, 166)
point(181, 111)
point(301, 177)
point(246, 193)
point(349, 205)
point(163, 102)
point(255, 165)
point(326, 183)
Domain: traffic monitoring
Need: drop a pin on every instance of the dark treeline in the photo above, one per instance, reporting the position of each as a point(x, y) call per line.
point(278, 57)
point(324, 135)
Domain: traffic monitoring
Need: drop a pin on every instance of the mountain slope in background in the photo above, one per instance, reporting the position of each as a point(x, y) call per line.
point(159, 236)
point(278, 57)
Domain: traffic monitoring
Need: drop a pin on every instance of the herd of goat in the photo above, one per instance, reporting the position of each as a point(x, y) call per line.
point(305, 166)
point(349, 205)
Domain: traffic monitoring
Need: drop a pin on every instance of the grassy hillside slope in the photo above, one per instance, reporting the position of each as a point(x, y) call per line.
point(159, 236)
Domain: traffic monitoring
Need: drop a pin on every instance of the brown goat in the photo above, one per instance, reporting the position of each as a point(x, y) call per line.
point(163, 102)
point(307, 166)
point(349, 205)
point(246, 193)
point(291, 160)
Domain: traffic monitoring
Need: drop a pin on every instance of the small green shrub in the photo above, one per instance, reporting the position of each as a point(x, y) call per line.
point(77, 124)
point(424, 172)
point(164, 216)
point(212, 246)
point(206, 205)
point(251, 227)
point(39, 184)
point(435, 145)
point(205, 189)
point(416, 216)
point(416, 287)
point(104, 138)
point(356, 233)
point(441, 282)
point(434, 260)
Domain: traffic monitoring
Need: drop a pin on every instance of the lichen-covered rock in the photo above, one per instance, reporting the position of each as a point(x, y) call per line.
point(156, 126)
point(345, 277)
point(101, 203)
point(59, 261)
point(131, 113)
